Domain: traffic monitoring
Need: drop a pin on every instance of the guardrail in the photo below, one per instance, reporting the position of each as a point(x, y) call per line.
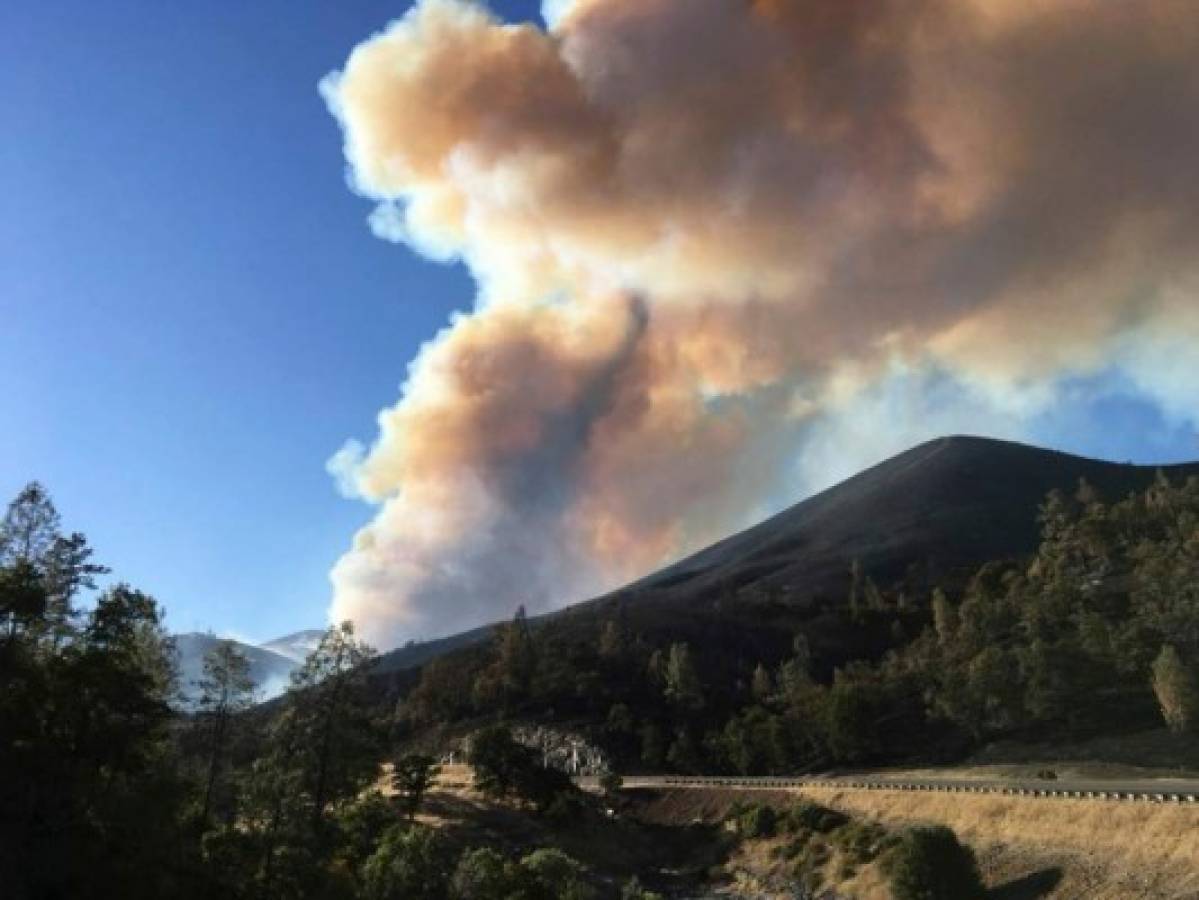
point(1064, 791)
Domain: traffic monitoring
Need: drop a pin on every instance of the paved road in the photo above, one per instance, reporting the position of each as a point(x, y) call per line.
point(1143, 790)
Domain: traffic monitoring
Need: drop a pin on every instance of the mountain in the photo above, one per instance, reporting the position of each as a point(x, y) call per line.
point(930, 515)
point(296, 646)
point(269, 670)
point(942, 507)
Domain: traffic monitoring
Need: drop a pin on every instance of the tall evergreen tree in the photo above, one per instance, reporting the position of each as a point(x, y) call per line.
point(324, 746)
point(683, 686)
point(226, 689)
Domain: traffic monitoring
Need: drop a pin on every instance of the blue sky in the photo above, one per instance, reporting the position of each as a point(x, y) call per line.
point(196, 316)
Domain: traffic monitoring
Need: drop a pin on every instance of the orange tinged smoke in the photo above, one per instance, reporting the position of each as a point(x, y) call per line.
point(703, 230)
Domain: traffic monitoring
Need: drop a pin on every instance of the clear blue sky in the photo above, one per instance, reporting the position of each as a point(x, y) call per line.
point(193, 313)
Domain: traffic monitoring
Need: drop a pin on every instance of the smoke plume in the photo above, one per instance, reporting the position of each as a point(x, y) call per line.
point(712, 238)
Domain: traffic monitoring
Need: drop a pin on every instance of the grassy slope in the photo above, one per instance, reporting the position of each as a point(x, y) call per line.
point(1028, 848)
point(1102, 851)
point(666, 856)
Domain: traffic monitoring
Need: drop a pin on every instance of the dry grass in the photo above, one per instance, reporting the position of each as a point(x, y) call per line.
point(1104, 850)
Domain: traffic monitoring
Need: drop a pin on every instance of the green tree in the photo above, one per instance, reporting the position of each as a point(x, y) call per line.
point(856, 601)
point(31, 538)
point(929, 863)
point(553, 875)
point(226, 690)
point(497, 760)
point(482, 874)
point(653, 745)
point(23, 598)
point(411, 863)
point(323, 746)
point(517, 658)
point(683, 687)
point(412, 776)
point(851, 716)
point(329, 701)
point(613, 643)
point(361, 822)
point(506, 768)
point(761, 685)
point(90, 801)
point(632, 890)
point(683, 755)
point(945, 617)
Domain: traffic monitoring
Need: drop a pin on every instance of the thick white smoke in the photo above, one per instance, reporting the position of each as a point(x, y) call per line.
point(709, 237)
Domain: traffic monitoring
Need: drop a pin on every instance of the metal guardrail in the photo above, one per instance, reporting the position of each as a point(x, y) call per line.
point(1063, 791)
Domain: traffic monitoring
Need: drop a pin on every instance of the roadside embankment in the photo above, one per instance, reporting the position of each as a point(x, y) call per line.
point(1099, 850)
point(1029, 848)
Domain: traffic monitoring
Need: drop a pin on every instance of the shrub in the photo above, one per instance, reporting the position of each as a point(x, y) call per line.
point(360, 824)
point(757, 822)
point(931, 864)
point(814, 817)
point(505, 767)
point(410, 864)
point(551, 874)
point(859, 841)
point(482, 874)
point(634, 891)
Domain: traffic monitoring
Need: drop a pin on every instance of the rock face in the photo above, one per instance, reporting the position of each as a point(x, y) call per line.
point(564, 750)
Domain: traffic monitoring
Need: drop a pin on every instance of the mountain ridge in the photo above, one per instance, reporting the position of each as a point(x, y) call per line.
point(929, 515)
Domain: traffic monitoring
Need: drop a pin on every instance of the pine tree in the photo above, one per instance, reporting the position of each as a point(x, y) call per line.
point(612, 643)
point(801, 650)
point(855, 599)
point(412, 776)
point(32, 542)
point(517, 658)
point(762, 687)
point(683, 686)
point(324, 746)
point(328, 694)
point(945, 617)
point(226, 689)
point(30, 527)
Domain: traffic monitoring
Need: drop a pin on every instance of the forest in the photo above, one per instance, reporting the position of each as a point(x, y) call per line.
point(1097, 632)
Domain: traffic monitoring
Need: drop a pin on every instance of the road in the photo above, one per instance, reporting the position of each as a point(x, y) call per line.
point(1148, 790)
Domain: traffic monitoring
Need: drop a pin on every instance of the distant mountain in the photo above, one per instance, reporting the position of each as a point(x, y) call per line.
point(269, 670)
point(930, 515)
point(297, 646)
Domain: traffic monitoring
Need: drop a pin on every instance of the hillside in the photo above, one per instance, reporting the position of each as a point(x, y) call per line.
point(930, 515)
point(295, 646)
point(914, 612)
point(269, 669)
point(943, 507)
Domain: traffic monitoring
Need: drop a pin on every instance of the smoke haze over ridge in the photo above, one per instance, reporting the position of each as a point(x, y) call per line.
point(727, 251)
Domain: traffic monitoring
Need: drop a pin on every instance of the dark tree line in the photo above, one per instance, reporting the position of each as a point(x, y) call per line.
point(108, 788)
point(1099, 630)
